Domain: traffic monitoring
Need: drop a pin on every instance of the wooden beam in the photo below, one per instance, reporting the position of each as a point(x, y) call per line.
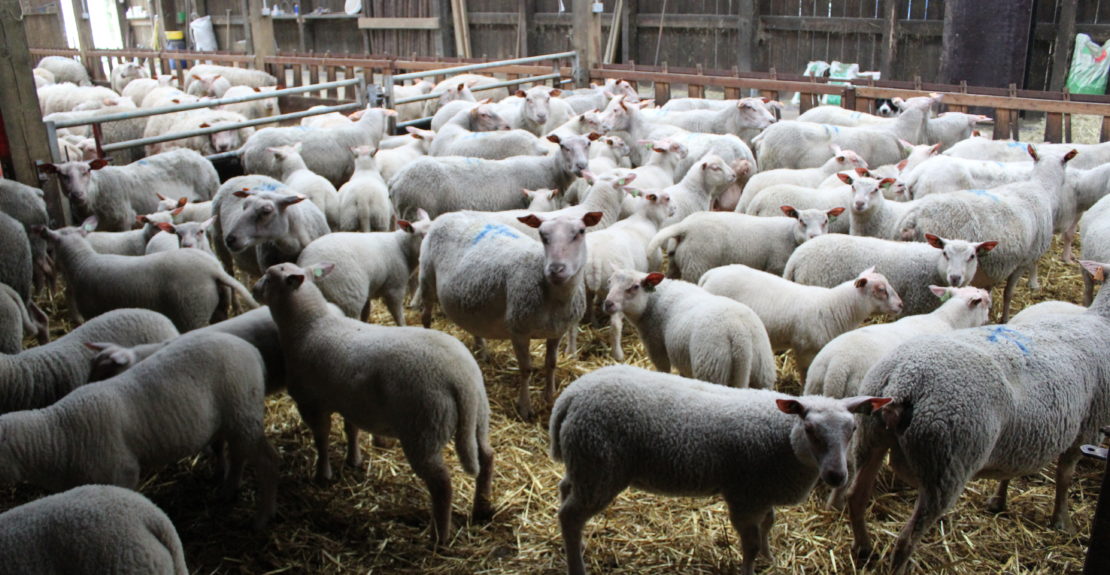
point(587, 40)
point(20, 102)
point(444, 39)
point(630, 35)
point(889, 44)
point(262, 32)
point(399, 23)
point(84, 32)
point(1065, 39)
point(614, 33)
point(462, 28)
point(747, 22)
point(525, 11)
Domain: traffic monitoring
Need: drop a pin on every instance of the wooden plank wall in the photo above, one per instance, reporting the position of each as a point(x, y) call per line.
point(1092, 17)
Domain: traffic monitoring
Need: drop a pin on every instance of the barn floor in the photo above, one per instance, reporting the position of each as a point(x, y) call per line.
point(376, 520)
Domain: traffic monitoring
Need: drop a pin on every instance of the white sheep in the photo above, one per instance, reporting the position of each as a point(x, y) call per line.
point(809, 177)
point(126, 73)
point(185, 235)
point(207, 85)
point(67, 97)
point(28, 206)
point(368, 266)
point(800, 317)
point(706, 240)
point(207, 144)
point(17, 269)
point(994, 401)
point(495, 282)
point(110, 132)
point(706, 181)
point(109, 433)
point(683, 326)
point(65, 70)
point(236, 76)
point(1089, 187)
point(1094, 236)
point(138, 89)
point(621, 426)
point(121, 532)
point(392, 160)
point(1043, 309)
point(544, 200)
point(870, 213)
point(421, 386)
point(15, 321)
point(1090, 156)
point(736, 119)
point(43, 77)
point(252, 109)
point(659, 170)
point(412, 110)
point(609, 153)
point(769, 201)
point(910, 267)
point(363, 202)
point(301, 180)
point(182, 210)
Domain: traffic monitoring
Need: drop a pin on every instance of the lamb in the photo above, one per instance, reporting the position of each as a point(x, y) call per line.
point(165, 96)
point(952, 127)
point(17, 270)
point(810, 178)
point(909, 266)
point(441, 185)
point(1020, 215)
point(449, 91)
point(839, 367)
point(363, 202)
point(769, 202)
point(1043, 309)
point(116, 195)
point(390, 161)
point(1090, 156)
point(325, 151)
point(43, 77)
point(494, 282)
point(477, 131)
point(67, 97)
point(490, 121)
point(42, 375)
point(745, 114)
point(65, 70)
point(368, 266)
point(111, 432)
point(610, 153)
point(252, 109)
point(871, 214)
point(706, 240)
point(621, 426)
point(129, 243)
point(299, 178)
point(27, 206)
point(1095, 239)
point(1089, 187)
point(800, 317)
point(596, 97)
point(412, 110)
point(207, 85)
point(236, 76)
point(581, 125)
point(659, 170)
point(187, 235)
point(126, 73)
point(533, 109)
point(14, 321)
point(185, 285)
point(418, 385)
point(942, 174)
point(260, 212)
point(182, 210)
point(622, 246)
point(1039, 392)
point(699, 187)
point(475, 82)
point(544, 200)
point(138, 89)
point(681, 324)
point(208, 144)
point(123, 532)
point(607, 195)
point(110, 132)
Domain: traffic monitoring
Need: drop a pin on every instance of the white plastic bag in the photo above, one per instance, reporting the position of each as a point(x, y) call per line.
point(204, 36)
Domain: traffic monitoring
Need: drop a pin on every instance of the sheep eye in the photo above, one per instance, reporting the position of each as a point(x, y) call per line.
point(971, 257)
point(946, 256)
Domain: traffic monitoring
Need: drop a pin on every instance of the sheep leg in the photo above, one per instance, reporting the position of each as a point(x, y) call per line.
point(265, 460)
point(319, 422)
point(859, 495)
point(765, 530)
point(1065, 471)
point(750, 538)
point(579, 505)
point(572, 341)
point(41, 321)
point(616, 325)
point(932, 501)
point(429, 466)
point(524, 363)
point(354, 454)
point(997, 502)
point(591, 302)
point(364, 315)
point(1034, 283)
point(1088, 288)
point(395, 302)
point(549, 367)
point(483, 485)
point(1067, 237)
point(1008, 295)
point(234, 461)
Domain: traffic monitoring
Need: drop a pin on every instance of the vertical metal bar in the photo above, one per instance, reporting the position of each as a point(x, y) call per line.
point(52, 141)
point(98, 137)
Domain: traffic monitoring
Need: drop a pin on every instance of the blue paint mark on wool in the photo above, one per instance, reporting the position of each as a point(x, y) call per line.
point(1015, 145)
point(985, 194)
point(1001, 333)
point(495, 230)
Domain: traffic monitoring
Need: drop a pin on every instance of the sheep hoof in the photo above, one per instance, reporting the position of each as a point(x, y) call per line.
point(864, 555)
point(996, 505)
point(524, 410)
point(483, 511)
point(617, 354)
point(1064, 524)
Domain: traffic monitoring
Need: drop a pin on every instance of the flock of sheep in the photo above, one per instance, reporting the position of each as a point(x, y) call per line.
point(522, 216)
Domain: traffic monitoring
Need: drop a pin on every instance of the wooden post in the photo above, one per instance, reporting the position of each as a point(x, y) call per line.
point(1065, 41)
point(262, 32)
point(84, 33)
point(747, 25)
point(890, 38)
point(526, 18)
point(629, 34)
point(20, 102)
point(587, 40)
point(445, 38)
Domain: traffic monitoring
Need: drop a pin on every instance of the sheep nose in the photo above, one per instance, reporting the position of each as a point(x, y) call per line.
point(541, 119)
point(609, 306)
point(859, 206)
point(955, 281)
point(834, 478)
point(556, 269)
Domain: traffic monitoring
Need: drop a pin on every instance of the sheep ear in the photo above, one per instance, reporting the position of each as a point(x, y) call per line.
point(554, 139)
point(592, 218)
point(985, 247)
point(405, 225)
point(208, 223)
point(791, 407)
point(98, 163)
point(865, 405)
point(1032, 152)
point(845, 178)
point(88, 225)
point(519, 94)
point(166, 227)
point(938, 291)
point(294, 281)
point(422, 215)
point(1097, 270)
point(886, 182)
point(320, 270)
point(861, 282)
point(935, 241)
point(593, 136)
point(902, 165)
point(833, 213)
point(531, 220)
point(934, 150)
point(555, 93)
point(48, 168)
point(789, 211)
point(241, 193)
point(182, 201)
point(652, 280)
point(287, 201)
point(97, 346)
point(1068, 156)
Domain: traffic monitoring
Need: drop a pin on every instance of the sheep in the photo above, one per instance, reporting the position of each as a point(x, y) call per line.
point(122, 532)
point(17, 270)
point(1008, 399)
point(745, 114)
point(110, 432)
point(449, 91)
point(871, 214)
point(363, 202)
point(838, 116)
point(124, 74)
point(165, 96)
point(208, 144)
point(805, 145)
point(27, 206)
point(730, 148)
point(544, 200)
point(596, 97)
point(495, 282)
point(418, 385)
point(65, 70)
point(477, 131)
point(325, 151)
point(681, 324)
point(909, 266)
point(945, 129)
point(14, 321)
point(441, 185)
point(942, 174)
point(368, 266)
point(622, 246)
point(41, 375)
point(800, 317)
point(610, 153)
point(699, 187)
point(182, 284)
point(1020, 215)
point(207, 85)
point(490, 121)
point(252, 109)
point(473, 82)
point(236, 76)
point(839, 367)
point(621, 426)
point(1090, 156)
point(182, 210)
point(260, 212)
point(116, 195)
point(811, 177)
point(1095, 238)
point(607, 195)
point(129, 243)
point(184, 235)
point(769, 201)
point(412, 110)
point(138, 89)
point(705, 240)
point(299, 178)
point(43, 77)
point(110, 132)
point(581, 125)
point(659, 170)
point(1089, 187)
point(531, 110)
point(1037, 311)
point(67, 97)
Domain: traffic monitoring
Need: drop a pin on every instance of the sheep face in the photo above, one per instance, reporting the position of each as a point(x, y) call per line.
point(960, 258)
point(110, 360)
point(718, 173)
point(263, 218)
point(824, 429)
point(189, 234)
point(574, 153)
point(537, 104)
point(483, 118)
point(754, 113)
point(629, 291)
point(878, 290)
point(283, 279)
point(564, 244)
point(977, 301)
point(811, 222)
point(75, 178)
